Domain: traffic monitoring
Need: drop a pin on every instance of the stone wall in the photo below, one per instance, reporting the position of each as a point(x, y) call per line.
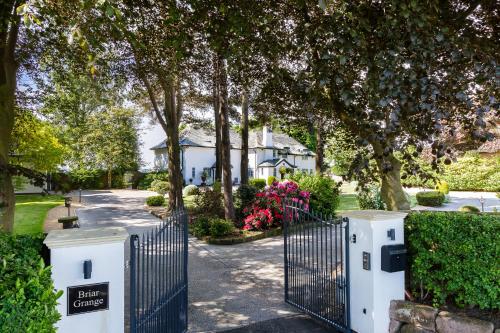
point(408, 317)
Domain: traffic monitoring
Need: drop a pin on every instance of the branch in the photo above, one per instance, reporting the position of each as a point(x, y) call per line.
point(10, 46)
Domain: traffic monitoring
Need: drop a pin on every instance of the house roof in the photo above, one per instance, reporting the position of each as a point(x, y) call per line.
point(274, 162)
point(201, 137)
point(490, 146)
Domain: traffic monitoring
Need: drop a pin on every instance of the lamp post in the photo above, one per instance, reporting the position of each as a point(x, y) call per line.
point(80, 195)
point(67, 203)
point(481, 200)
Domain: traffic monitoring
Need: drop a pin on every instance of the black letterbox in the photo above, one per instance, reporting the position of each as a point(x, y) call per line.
point(393, 258)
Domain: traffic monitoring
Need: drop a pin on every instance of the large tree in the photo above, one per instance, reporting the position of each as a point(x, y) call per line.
point(394, 74)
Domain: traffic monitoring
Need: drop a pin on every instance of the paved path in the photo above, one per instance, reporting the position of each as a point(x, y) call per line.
point(230, 287)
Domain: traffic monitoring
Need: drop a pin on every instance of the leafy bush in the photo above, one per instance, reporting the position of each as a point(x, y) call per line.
point(27, 297)
point(430, 198)
point(442, 187)
point(267, 210)
point(209, 201)
point(455, 256)
point(471, 172)
point(324, 191)
point(244, 197)
point(201, 226)
point(155, 200)
point(270, 180)
point(469, 209)
point(146, 181)
point(190, 190)
point(159, 186)
point(220, 227)
point(258, 183)
point(369, 197)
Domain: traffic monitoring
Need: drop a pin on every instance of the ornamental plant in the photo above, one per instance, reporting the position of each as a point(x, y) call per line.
point(267, 210)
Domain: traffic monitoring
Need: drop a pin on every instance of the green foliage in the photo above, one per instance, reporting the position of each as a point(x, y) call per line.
point(201, 226)
point(270, 180)
point(159, 186)
point(27, 297)
point(148, 178)
point(258, 183)
point(369, 197)
point(469, 209)
point(155, 200)
point(324, 191)
point(220, 227)
point(472, 172)
point(430, 198)
point(90, 179)
point(442, 187)
point(191, 190)
point(455, 256)
point(341, 150)
point(244, 197)
point(209, 201)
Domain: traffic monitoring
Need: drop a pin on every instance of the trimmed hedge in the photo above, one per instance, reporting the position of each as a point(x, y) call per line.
point(190, 190)
point(469, 209)
point(259, 183)
point(155, 200)
point(430, 198)
point(204, 226)
point(324, 191)
point(271, 180)
point(27, 297)
point(455, 256)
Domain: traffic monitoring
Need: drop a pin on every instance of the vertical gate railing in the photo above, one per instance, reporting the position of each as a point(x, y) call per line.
point(317, 265)
point(158, 277)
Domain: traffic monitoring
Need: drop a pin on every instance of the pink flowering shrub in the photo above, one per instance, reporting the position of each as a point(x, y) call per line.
point(267, 210)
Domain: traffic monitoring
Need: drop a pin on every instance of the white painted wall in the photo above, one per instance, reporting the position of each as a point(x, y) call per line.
point(372, 290)
point(197, 158)
point(69, 248)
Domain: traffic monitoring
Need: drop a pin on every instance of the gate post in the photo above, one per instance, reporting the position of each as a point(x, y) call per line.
point(377, 259)
point(88, 266)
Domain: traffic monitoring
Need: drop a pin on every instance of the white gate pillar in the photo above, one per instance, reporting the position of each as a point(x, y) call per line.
point(377, 260)
point(88, 266)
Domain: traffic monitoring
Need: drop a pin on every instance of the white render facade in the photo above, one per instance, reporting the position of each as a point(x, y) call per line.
point(267, 153)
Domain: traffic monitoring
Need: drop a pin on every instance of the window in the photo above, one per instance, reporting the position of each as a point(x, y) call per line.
point(304, 170)
point(274, 172)
point(262, 171)
point(311, 171)
point(304, 157)
point(250, 173)
point(193, 173)
point(274, 153)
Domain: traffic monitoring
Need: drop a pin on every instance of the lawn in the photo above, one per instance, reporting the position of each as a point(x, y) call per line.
point(31, 210)
point(350, 202)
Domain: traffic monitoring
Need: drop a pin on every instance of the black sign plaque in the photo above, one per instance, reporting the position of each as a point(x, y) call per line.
point(88, 298)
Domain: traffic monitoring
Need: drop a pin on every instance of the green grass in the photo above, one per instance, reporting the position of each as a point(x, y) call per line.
point(348, 202)
point(189, 202)
point(31, 210)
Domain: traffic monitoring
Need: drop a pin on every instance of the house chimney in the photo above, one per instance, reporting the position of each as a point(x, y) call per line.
point(267, 136)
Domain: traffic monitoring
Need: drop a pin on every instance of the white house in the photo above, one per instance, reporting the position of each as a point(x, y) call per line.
point(267, 152)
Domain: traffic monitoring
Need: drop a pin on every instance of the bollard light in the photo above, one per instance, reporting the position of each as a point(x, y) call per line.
point(67, 204)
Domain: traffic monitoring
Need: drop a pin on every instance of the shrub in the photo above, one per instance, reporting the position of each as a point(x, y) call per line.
point(469, 209)
point(148, 178)
point(324, 191)
point(471, 172)
point(258, 183)
point(244, 197)
point(442, 186)
point(155, 200)
point(369, 197)
point(430, 198)
point(220, 227)
point(267, 210)
point(159, 186)
point(190, 190)
point(209, 201)
point(27, 297)
point(201, 226)
point(270, 180)
point(455, 256)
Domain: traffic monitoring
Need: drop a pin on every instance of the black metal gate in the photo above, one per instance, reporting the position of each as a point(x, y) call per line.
point(158, 277)
point(317, 265)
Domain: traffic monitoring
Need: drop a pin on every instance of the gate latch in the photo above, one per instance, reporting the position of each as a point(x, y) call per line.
point(353, 238)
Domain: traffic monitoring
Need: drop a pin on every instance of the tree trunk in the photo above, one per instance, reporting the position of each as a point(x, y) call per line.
point(216, 101)
point(8, 71)
point(110, 178)
point(391, 189)
point(244, 137)
point(226, 142)
point(320, 147)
